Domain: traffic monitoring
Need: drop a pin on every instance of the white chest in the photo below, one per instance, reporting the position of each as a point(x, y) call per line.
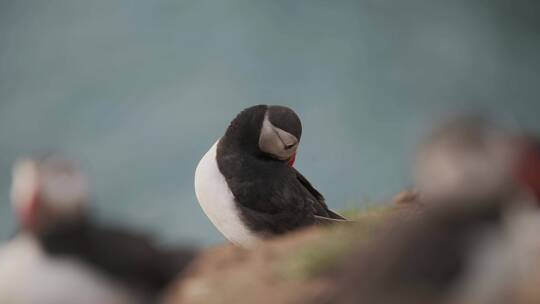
point(28, 276)
point(217, 201)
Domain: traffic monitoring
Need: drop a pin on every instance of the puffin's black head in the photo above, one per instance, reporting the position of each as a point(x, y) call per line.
point(271, 131)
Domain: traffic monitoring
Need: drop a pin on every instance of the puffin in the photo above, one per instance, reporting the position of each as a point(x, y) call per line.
point(469, 157)
point(62, 255)
point(247, 185)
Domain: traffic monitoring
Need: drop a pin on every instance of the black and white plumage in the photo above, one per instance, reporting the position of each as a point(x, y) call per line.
point(61, 255)
point(246, 183)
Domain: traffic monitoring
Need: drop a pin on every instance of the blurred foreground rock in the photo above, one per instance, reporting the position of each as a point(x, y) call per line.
point(290, 269)
point(399, 254)
point(229, 274)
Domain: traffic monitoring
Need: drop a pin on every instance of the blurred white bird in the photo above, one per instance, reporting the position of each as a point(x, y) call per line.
point(61, 256)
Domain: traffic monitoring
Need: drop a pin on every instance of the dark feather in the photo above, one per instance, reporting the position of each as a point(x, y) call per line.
point(321, 220)
point(130, 258)
point(330, 215)
point(273, 198)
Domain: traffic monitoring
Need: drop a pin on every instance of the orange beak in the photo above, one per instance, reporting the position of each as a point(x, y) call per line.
point(28, 214)
point(529, 170)
point(292, 160)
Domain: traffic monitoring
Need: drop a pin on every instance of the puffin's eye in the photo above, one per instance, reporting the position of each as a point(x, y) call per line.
point(276, 142)
point(288, 147)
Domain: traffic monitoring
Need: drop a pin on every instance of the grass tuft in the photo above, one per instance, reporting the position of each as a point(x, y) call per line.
point(325, 254)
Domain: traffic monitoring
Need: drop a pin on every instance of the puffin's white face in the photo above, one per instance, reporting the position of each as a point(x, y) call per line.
point(63, 185)
point(276, 142)
point(53, 184)
point(468, 164)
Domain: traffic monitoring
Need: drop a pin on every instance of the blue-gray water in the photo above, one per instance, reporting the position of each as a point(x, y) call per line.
point(139, 90)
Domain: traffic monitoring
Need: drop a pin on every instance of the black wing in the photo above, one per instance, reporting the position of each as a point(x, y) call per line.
point(130, 258)
point(322, 212)
point(289, 203)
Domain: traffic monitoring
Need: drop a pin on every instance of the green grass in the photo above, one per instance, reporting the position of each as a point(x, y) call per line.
point(326, 254)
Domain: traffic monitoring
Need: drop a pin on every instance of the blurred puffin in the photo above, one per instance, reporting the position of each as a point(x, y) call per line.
point(471, 157)
point(468, 158)
point(247, 185)
point(60, 256)
point(474, 240)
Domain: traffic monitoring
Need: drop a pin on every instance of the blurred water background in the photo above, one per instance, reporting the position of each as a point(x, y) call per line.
point(139, 90)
